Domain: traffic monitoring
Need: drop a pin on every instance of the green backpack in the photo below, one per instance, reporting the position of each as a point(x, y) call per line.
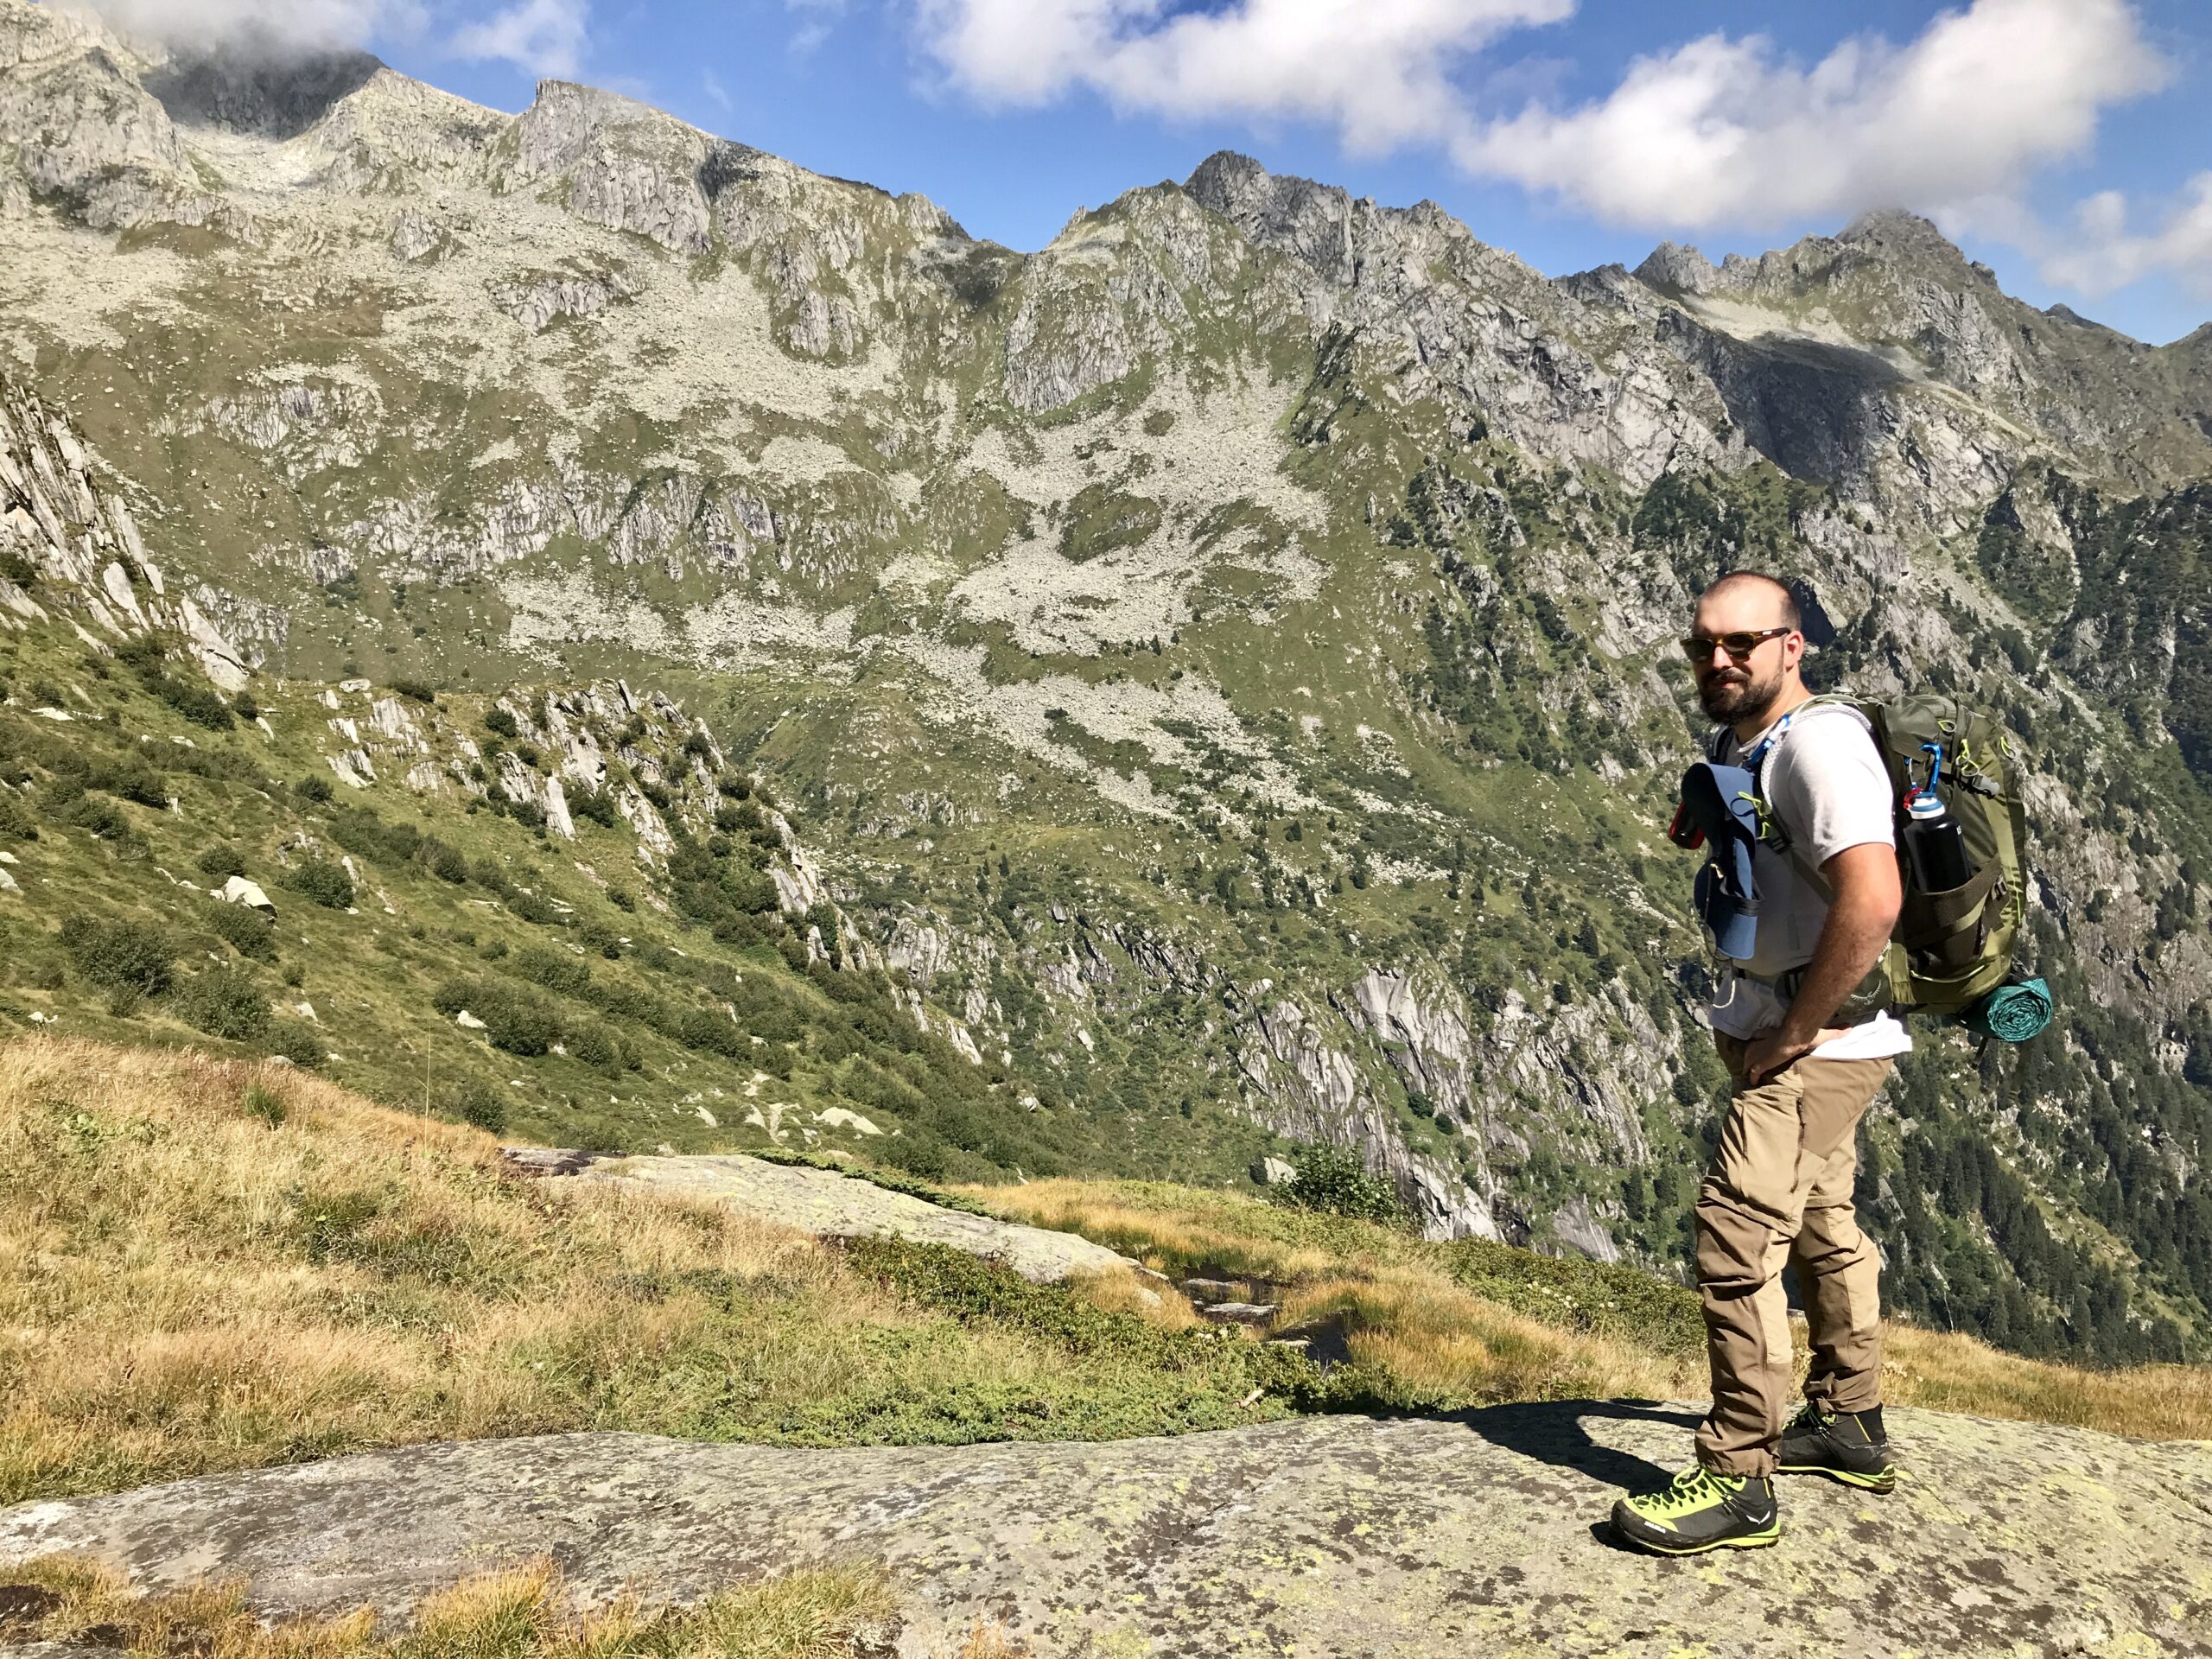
point(1951, 953)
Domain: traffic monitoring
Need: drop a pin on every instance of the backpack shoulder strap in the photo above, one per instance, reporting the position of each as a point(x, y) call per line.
point(1779, 840)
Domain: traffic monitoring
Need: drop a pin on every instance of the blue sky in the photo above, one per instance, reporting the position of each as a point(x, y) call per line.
point(2060, 140)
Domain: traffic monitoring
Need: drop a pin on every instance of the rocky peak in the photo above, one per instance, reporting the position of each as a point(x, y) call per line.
point(1312, 222)
point(1895, 234)
point(1676, 266)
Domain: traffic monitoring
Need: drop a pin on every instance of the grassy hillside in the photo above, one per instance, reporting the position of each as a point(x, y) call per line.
point(209, 1264)
point(434, 945)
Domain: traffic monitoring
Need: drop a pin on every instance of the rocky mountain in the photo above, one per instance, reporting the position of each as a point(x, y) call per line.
point(1222, 663)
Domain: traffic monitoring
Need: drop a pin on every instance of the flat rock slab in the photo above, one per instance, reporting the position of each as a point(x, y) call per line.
point(823, 1202)
point(1317, 1536)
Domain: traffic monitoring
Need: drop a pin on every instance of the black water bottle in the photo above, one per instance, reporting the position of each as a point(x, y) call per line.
point(1935, 846)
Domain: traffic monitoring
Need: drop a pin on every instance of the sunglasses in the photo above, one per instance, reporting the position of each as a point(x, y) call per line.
point(1739, 646)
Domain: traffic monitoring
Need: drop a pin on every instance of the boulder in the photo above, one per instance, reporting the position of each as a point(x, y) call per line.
point(1273, 1171)
point(239, 891)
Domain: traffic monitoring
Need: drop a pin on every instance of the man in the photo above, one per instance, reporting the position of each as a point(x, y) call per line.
point(1780, 1184)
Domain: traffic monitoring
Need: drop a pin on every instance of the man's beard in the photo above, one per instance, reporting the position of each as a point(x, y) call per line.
point(1733, 695)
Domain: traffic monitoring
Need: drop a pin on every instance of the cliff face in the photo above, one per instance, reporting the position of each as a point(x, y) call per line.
point(1227, 654)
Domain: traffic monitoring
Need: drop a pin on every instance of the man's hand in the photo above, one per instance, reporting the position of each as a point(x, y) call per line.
point(1863, 896)
point(1774, 1050)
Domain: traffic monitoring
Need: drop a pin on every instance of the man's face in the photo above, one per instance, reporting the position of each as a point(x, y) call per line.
point(1732, 688)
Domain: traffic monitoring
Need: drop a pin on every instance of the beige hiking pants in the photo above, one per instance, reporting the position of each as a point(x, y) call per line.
point(1779, 1190)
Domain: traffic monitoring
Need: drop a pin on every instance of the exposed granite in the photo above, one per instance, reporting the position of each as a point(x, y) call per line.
point(1343, 1536)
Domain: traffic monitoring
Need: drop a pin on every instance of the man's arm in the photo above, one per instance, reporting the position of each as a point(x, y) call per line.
point(1864, 880)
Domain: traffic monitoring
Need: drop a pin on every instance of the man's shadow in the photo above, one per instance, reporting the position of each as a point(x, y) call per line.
point(1552, 1432)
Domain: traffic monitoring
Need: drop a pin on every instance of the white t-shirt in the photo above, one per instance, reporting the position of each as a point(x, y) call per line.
point(1825, 781)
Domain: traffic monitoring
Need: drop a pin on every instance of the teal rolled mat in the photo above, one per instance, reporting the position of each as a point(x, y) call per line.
point(2012, 1012)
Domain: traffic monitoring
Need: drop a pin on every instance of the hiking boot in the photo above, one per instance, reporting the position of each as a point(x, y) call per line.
point(1701, 1510)
point(1845, 1445)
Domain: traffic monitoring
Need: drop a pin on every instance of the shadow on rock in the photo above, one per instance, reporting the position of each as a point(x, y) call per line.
point(1553, 1432)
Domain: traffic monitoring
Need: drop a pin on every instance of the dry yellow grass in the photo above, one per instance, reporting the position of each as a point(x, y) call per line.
point(205, 1265)
point(1404, 1315)
point(524, 1612)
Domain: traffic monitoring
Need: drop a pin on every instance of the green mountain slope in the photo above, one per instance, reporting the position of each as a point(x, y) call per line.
point(1220, 666)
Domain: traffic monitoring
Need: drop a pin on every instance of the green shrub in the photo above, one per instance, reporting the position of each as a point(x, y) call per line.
point(415, 691)
point(134, 780)
point(119, 955)
point(221, 861)
point(712, 1034)
point(102, 816)
point(596, 804)
point(554, 969)
point(482, 1106)
point(244, 929)
point(322, 882)
point(498, 721)
point(225, 1002)
point(16, 821)
point(312, 789)
point(193, 699)
point(265, 1104)
point(443, 862)
point(594, 1044)
point(518, 1020)
point(1332, 1180)
point(296, 1040)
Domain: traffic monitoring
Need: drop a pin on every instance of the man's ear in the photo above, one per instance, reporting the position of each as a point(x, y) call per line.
point(1793, 649)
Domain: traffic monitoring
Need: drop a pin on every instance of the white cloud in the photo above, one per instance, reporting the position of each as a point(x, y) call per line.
point(1727, 132)
point(717, 94)
point(820, 18)
point(2104, 247)
point(1378, 71)
point(539, 37)
point(260, 27)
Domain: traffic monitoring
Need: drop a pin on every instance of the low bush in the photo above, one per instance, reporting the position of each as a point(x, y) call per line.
point(119, 955)
point(484, 1107)
point(322, 882)
point(554, 969)
point(516, 1020)
point(225, 1002)
point(244, 929)
point(17, 823)
point(594, 1044)
point(312, 789)
point(102, 816)
point(296, 1040)
point(1332, 1180)
point(221, 861)
point(596, 804)
point(712, 1034)
point(443, 862)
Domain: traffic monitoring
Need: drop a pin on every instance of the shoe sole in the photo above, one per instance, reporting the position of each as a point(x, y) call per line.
point(1883, 1483)
point(1753, 1541)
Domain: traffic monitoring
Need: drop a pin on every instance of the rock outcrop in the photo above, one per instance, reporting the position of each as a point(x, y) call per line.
point(830, 1206)
point(1329, 1535)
